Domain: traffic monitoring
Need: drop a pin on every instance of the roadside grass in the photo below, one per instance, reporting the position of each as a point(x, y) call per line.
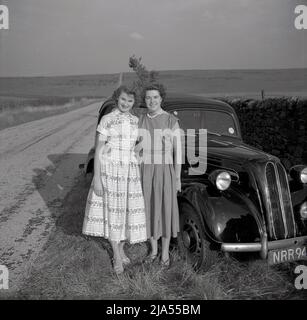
point(73, 266)
point(256, 280)
point(17, 110)
point(179, 282)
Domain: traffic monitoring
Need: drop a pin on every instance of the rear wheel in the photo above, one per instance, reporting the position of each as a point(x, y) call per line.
point(192, 241)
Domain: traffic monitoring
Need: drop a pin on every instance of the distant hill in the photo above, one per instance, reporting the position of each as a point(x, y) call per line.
point(216, 83)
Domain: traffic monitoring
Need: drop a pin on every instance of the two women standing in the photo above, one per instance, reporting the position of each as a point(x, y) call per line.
point(122, 204)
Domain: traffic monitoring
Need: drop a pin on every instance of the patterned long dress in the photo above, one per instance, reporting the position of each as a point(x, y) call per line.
point(119, 214)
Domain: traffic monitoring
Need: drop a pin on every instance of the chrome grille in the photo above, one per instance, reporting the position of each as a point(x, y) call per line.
point(279, 205)
point(286, 200)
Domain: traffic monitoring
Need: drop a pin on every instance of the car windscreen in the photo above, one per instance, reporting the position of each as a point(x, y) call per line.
point(213, 121)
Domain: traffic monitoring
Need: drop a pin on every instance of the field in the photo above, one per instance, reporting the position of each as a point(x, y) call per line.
point(27, 99)
point(17, 110)
point(242, 83)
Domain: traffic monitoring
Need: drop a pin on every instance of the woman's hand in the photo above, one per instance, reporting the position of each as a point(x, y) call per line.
point(178, 185)
point(106, 149)
point(98, 187)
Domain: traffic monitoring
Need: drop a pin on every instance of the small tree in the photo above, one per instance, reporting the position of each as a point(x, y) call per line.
point(144, 77)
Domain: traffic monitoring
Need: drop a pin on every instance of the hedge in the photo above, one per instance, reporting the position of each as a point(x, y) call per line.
point(276, 126)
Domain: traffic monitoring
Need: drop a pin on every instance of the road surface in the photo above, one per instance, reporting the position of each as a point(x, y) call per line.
point(38, 166)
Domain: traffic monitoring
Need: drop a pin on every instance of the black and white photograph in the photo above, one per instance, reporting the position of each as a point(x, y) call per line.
point(153, 151)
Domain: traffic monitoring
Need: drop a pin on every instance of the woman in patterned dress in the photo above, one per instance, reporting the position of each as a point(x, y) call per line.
point(160, 171)
point(115, 204)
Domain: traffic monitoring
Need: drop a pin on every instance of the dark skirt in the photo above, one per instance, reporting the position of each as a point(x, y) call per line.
point(160, 195)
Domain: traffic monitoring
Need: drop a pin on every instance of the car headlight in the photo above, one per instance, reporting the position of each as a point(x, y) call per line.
point(303, 175)
point(223, 180)
point(299, 173)
point(303, 210)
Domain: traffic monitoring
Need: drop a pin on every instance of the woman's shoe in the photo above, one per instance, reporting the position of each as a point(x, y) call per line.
point(151, 258)
point(126, 261)
point(165, 264)
point(117, 268)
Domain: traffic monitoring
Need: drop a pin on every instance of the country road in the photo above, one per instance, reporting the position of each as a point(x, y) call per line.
point(38, 167)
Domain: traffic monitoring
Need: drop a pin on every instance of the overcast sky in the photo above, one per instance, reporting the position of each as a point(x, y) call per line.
point(64, 37)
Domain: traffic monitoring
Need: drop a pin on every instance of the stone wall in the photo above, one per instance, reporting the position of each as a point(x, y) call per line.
point(277, 126)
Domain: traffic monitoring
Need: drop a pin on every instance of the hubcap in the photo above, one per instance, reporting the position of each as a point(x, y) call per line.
point(186, 239)
point(191, 238)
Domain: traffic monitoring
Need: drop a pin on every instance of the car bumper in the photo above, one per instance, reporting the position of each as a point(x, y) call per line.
point(264, 246)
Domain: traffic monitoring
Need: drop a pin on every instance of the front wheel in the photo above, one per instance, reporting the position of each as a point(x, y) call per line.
point(192, 241)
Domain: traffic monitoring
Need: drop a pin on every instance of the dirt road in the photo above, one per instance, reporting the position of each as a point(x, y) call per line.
point(38, 166)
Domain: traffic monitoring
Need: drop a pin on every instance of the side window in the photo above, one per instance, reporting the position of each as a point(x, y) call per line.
point(218, 122)
point(190, 119)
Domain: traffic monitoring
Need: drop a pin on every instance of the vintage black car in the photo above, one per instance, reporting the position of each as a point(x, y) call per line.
point(244, 200)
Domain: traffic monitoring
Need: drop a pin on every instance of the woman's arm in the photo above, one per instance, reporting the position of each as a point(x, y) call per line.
point(101, 138)
point(177, 154)
point(100, 146)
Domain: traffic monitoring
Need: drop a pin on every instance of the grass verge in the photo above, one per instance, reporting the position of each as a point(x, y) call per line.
point(14, 110)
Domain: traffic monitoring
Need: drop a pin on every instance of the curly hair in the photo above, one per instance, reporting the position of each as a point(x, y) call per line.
point(155, 86)
point(123, 89)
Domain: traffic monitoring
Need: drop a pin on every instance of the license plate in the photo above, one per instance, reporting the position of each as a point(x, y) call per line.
point(287, 255)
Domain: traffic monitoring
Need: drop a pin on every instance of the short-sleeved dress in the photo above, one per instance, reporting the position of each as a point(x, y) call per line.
point(119, 214)
point(158, 177)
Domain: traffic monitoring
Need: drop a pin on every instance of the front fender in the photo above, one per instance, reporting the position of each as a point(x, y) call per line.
point(228, 216)
point(195, 194)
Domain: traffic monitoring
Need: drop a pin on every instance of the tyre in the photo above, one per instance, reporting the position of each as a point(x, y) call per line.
point(192, 241)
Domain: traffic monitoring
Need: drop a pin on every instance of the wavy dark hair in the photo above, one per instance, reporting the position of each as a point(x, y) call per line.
point(154, 86)
point(124, 89)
